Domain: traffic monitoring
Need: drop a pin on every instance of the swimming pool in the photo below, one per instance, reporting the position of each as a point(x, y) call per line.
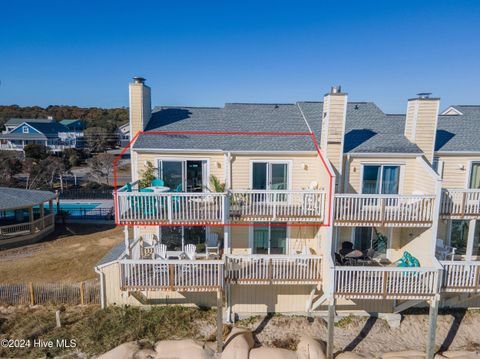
point(78, 209)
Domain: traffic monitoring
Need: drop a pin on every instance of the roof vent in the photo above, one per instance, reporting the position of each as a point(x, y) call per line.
point(138, 80)
point(336, 89)
point(424, 94)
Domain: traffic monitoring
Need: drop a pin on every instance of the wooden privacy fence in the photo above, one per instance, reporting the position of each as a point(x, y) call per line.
point(87, 292)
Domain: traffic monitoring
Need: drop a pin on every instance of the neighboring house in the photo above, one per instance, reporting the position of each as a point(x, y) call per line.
point(48, 132)
point(391, 185)
point(123, 134)
point(25, 216)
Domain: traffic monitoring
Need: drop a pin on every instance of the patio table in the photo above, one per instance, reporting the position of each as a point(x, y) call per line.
point(159, 189)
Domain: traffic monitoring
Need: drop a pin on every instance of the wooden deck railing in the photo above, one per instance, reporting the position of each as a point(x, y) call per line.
point(181, 275)
point(273, 269)
point(198, 207)
point(26, 228)
point(385, 282)
point(380, 210)
point(461, 276)
point(460, 203)
point(279, 205)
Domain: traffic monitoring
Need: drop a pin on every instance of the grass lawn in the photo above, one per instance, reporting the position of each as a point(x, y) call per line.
point(68, 255)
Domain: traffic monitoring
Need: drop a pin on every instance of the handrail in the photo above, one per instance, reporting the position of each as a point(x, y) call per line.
point(386, 282)
point(273, 268)
point(461, 276)
point(384, 209)
point(461, 203)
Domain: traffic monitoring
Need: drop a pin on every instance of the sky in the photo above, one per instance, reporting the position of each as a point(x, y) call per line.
point(206, 53)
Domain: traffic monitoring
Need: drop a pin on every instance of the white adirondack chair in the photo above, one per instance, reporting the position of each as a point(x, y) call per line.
point(212, 247)
point(160, 251)
point(191, 251)
point(443, 251)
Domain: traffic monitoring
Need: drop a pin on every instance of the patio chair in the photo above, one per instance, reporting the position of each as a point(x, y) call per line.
point(148, 204)
point(213, 245)
point(160, 251)
point(191, 251)
point(157, 182)
point(443, 251)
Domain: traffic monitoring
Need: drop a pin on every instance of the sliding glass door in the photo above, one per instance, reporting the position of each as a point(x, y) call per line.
point(381, 179)
point(184, 175)
point(177, 237)
point(269, 240)
point(475, 176)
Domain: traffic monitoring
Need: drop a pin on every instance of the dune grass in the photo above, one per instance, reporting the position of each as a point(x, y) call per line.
point(96, 331)
point(67, 255)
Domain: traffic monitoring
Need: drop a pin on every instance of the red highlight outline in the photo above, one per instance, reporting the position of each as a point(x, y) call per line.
point(308, 134)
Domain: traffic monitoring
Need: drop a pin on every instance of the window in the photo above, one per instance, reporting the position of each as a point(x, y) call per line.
point(269, 240)
point(270, 175)
point(184, 176)
point(380, 179)
point(25, 129)
point(459, 237)
point(177, 237)
point(475, 175)
point(366, 238)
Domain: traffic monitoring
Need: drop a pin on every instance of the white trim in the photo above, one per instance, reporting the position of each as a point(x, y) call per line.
point(450, 108)
point(269, 162)
point(304, 118)
point(26, 124)
point(194, 150)
point(184, 160)
point(268, 224)
point(382, 155)
point(456, 153)
point(469, 173)
point(401, 175)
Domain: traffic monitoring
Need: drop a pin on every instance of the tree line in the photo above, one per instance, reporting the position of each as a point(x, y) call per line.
point(106, 118)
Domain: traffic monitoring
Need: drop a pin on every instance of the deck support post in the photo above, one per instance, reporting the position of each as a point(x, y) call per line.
point(127, 245)
point(432, 326)
point(219, 321)
point(31, 219)
point(331, 326)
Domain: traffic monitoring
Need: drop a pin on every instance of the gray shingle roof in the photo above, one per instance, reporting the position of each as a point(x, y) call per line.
point(11, 198)
point(367, 130)
point(459, 132)
point(225, 142)
point(18, 121)
point(234, 117)
point(113, 254)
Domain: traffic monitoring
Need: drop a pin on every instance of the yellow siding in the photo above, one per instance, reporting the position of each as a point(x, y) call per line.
point(456, 170)
point(216, 168)
point(140, 107)
point(421, 124)
point(413, 176)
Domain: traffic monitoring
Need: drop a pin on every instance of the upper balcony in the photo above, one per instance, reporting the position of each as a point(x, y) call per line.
point(137, 207)
point(460, 204)
point(384, 210)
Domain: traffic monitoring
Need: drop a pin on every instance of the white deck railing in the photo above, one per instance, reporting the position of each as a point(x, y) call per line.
point(277, 269)
point(385, 282)
point(26, 228)
point(182, 207)
point(461, 276)
point(181, 275)
point(460, 203)
point(391, 210)
point(301, 205)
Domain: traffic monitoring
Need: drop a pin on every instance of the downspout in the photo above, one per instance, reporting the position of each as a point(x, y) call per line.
point(102, 287)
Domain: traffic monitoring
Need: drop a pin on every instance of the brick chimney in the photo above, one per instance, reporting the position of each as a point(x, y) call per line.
point(140, 105)
point(333, 127)
point(421, 122)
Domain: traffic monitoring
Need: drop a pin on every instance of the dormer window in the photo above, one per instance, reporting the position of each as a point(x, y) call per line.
point(25, 129)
